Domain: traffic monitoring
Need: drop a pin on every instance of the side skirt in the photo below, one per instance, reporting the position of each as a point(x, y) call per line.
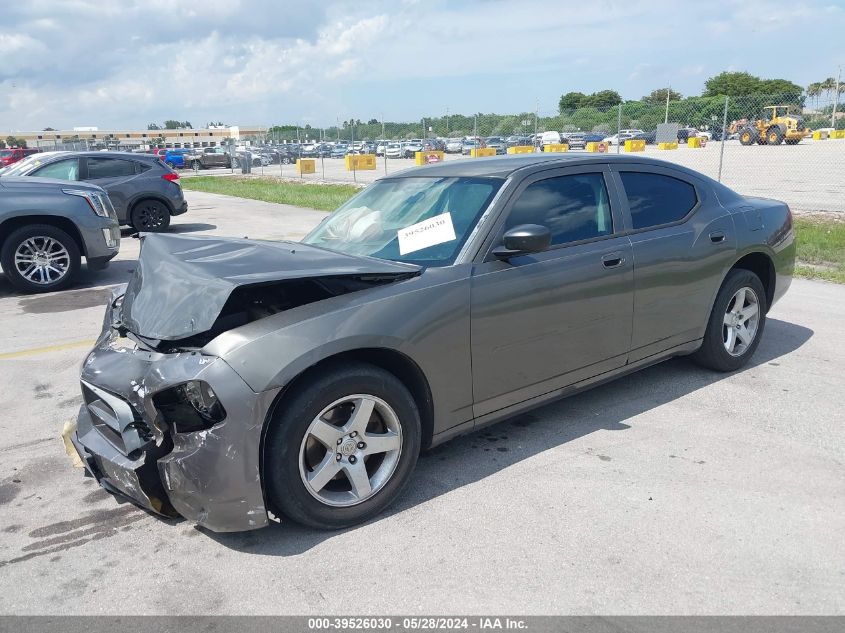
point(564, 392)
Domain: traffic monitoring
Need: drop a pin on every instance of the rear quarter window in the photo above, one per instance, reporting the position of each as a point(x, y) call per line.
point(656, 199)
point(109, 168)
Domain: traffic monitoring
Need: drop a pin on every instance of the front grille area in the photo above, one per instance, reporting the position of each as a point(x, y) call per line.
point(116, 419)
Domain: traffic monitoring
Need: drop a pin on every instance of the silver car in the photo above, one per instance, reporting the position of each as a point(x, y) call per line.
point(145, 192)
point(47, 226)
point(454, 146)
point(393, 150)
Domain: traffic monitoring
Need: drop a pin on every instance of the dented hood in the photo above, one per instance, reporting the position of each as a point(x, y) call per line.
point(182, 282)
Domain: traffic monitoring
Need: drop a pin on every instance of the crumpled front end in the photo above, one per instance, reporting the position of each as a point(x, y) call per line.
point(138, 443)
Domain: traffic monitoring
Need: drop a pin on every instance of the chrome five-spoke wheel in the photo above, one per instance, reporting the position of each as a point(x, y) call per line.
point(741, 320)
point(350, 450)
point(42, 260)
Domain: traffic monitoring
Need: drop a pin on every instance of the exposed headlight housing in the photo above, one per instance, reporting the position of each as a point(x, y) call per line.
point(189, 407)
point(99, 202)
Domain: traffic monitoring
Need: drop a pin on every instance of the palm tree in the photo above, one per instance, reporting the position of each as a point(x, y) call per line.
point(828, 86)
point(813, 91)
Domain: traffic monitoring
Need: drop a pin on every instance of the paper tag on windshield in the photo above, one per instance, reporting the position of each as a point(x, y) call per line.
point(436, 230)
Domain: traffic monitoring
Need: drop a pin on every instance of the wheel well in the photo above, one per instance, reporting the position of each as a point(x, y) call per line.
point(135, 203)
point(398, 364)
point(761, 265)
point(58, 221)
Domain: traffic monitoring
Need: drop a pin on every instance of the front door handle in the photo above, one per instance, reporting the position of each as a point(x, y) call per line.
point(717, 237)
point(612, 260)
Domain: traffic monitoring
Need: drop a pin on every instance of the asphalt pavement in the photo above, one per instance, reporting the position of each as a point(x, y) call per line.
point(672, 491)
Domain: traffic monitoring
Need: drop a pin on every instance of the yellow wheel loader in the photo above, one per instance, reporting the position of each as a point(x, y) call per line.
point(780, 124)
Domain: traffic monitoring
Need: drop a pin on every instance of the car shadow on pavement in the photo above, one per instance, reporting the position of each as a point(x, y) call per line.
point(470, 458)
point(193, 227)
point(117, 272)
point(127, 232)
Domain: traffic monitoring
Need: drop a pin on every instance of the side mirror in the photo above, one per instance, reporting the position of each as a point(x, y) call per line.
point(523, 239)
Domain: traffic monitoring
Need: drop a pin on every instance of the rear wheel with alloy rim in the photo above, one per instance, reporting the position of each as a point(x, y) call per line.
point(150, 215)
point(40, 258)
point(736, 323)
point(342, 447)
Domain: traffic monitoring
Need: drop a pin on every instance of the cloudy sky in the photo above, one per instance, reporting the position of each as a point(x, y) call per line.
point(125, 63)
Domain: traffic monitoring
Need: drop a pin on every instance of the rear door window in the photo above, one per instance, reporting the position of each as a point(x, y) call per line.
point(657, 199)
point(109, 168)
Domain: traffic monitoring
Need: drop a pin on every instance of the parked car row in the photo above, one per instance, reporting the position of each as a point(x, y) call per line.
point(56, 207)
point(10, 155)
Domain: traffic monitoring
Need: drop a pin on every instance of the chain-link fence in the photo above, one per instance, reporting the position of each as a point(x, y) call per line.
point(789, 147)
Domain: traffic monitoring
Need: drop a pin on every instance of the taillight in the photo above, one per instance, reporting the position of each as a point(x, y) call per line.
point(172, 177)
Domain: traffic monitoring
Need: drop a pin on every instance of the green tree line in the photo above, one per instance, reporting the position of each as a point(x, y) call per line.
point(747, 94)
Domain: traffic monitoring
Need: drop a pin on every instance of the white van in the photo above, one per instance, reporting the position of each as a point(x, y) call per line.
point(550, 138)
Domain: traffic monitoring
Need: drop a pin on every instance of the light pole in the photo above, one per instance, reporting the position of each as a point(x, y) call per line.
point(836, 98)
point(668, 92)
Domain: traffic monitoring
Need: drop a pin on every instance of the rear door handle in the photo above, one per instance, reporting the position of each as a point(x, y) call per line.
point(717, 237)
point(612, 260)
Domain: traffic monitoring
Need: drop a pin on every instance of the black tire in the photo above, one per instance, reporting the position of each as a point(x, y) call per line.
point(748, 136)
point(17, 239)
point(150, 216)
point(712, 353)
point(793, 141)
point(196, 164)
point(774, 135)
point(286, 160)
point(286, 491)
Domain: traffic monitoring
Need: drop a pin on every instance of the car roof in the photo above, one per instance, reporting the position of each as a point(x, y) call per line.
point(54, 183)
point(504, 166)
point(97, 154)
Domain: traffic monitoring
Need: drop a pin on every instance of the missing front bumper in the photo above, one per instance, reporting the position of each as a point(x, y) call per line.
point(211, 477)
point(137, 480)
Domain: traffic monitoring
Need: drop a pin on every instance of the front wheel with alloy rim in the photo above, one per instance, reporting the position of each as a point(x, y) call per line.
point(342, 447)
point(736, 323)
point(40, 258)
point(150, 215)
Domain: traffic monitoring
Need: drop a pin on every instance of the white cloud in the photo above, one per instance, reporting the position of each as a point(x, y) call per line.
point(264, 61)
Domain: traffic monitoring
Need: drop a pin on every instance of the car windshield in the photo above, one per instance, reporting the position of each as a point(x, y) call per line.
point(23, 167)
point(419, 220)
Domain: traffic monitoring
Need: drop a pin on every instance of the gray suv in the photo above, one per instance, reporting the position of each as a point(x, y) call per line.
point(47, 225)
point(144, 191)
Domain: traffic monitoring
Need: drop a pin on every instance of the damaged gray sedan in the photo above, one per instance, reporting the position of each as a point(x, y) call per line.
point(236, 379)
